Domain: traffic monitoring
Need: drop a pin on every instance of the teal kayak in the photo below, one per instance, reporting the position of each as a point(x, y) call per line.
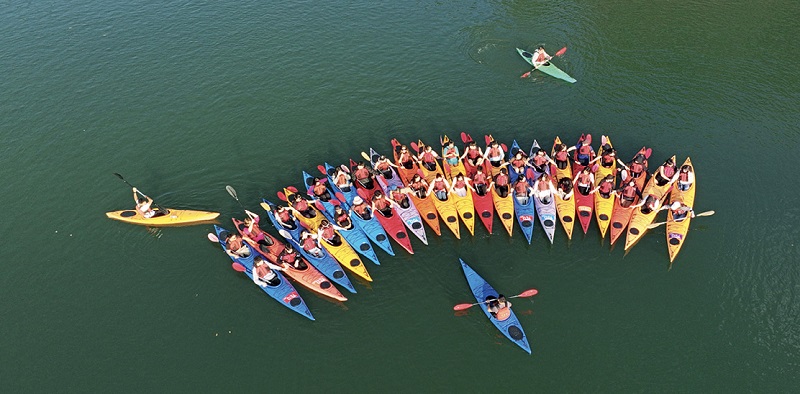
point(547, 68)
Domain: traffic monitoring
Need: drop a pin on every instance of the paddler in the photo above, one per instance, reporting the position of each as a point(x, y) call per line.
point(473, 154)
point(685, 178)
point(648, 204)
point(665, 173)
point(362, 210)
point(543, 189)
point(628, 193)
point(419, 185)
point(342, 180)
point(636, 168)
point(561, 156)
point(494, 153)
point(144, 205)
point(607, 157)
point(584, 181)
point(320, 189)
point(382, 204)
point(235, 246)
point(439, 187)
point(327, 231)
point(285, 218)
point(540, 57)
point(605, 187)
point(398, 196)
point(289, 256)
point(300, 204)
point(480, 181)
point(405, 158)
point(342, 217)
point(363, 176)
point(450, 153)
point(522, 190)
point(264, 272)
point(540, 160)
point(384, 167)
point(308, 241)
point(428, 158)
point(564, 189)
point(585, 150)
point(253, 232)
point(499, 307)
point(500, 183)
point(679, 211)
point(460, 185)
point(518, 163)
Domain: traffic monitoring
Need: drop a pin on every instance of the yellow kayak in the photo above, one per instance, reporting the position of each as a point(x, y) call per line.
point(639, 221)
point(427, 174)
point(505, 210)
point(560, 173)
point(466, 210)
point(676, 231)
point(451, 170)
point(448, 212)
point(174, 217)
point(604, 207)
point(566, 213)
point(312, 224)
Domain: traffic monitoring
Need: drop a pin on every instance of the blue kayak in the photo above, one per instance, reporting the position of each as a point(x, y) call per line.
point(284, 292)
point(325, 264)
point(295, 232)
point(482, 290)
point(349, 195)
point(525, 216)
point(512, 151)
point(309, 182)
point(374, 231)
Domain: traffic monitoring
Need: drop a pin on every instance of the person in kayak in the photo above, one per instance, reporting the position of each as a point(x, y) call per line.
point(428, 158)
point(584, 181)
point(480, 181)
point(381, 204)
point(540, 57)
point(384, 167)
point(264, 272)
point(680, 211)
point(607, 156)
point(439, 187)
point(254, 233)
point(289, 256)
point(363, 176)
point(605, 187)
point(561, 156)
point(494, 153)
point(405, 158)
point(498, 306)
point(473, 155)
point(628, 193)
point(342, 180)
point(361, 209)
point(450, 153)
point(320, 189)
point(285, 217)
point(539, 161)
point(685, 178)
point(564, 189)
point(301, 205)
point(636, 168)
point(327, 231)
point(522, 190)
point(649, 204)
point(235, 246)
point(460, 185)
point(543, 189)
point(518, 163)
point(585, 152)
point(144, 205)
point(342, 217)
point(308, 241)
point(399, 197)
point(500, 183)
point(665, 173)
point(419, 185)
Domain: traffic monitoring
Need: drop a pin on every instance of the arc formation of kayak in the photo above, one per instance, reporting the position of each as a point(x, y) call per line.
point(420, 186)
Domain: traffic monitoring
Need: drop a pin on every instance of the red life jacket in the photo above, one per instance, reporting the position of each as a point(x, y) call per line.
point(342, 217)
point(405, 157)
point(289, 257)
point(606, 187)
point(637, 168)
point(382, 166)
point(428, 157)
point(235, 244)
point(479, 179)
point(561, 155)
point(585, 150)
point(494, 151)
point(518, 163)
point(629, 192)
point(328, 232)
point(262, 270)
point(301, 205)
point(521, 188)
point(501, 180)
point(543, 185)
point(608, 159)
point(669, 171)
point(584, 178)
point(255, 233)
point(684, 177)
point(362, 173)
point(438, 185)
point(473, 153)
point(319, 188)
point(284, 216)
point(381, 203)
point(450, 153)
point(539, 160)
point(360, 209)
point(398, 196)
point(460, 184)
point(417, 185)
point(309, 244)
point(341, 179)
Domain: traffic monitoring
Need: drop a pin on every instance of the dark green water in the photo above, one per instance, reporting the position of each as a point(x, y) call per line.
point(185, 98)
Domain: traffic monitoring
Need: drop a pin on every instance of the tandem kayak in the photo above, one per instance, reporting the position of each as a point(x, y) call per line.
point(482, 290)
point(604, 207)
point(639, 220)
point(547, 68)
point(676, 231)
point(173, 217)
point(283, 292)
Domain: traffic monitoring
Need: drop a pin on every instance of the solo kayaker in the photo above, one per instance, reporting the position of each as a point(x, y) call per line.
point(285, 217)
point(419, 185)
point(479, 181)
point(540, 57)
point(680, 211)
point(543, 189)
point(381, 204)
point(473, 154)
point(320, 189)
point(494, 153)
point(585, 152)
point(561, 156)
point(144, 205)
point(253, 232)
point(342, 217)
point(363, 176)
point(605, 187)
point(398, 196)
point(327, 231)
point(301, 205)
point(460, 185)
point(648, 204)
point(665, 173)
point(498, 306)
point(235, 246)
point(439, 187)
point(450, 153)
point(685, 178)
point(500, 183)
point(522, 190)
point(362, 210)
point(518, 163)
point(540, 160)
point(428, 158)
point(264, 272)
point(628, 193)
point(342, 180)
point(584, 181)
point(308, 241)
point(607, 156)
point(405, 158)
point(384, 167)
point(636, 168)
point(289, 256)
point(564, 189)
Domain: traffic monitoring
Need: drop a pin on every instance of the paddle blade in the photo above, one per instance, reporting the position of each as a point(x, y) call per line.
point(291, 189)
point(526, 75)
point(414, 146)
point(318, 204)
point(648, 152)
point(340, 196)
point(238, 267)
point(505, 148)
point(461, 307)
point(706, 213)
point(285, 234)
point(561, 51)
point(528, 293)
point(281, 196)
point(266, 206)
point(365, 156)
point(321, 169)
point(231, 191)
point(119, 176)
point(212, 237)
point(335, 202)
point(464, 138)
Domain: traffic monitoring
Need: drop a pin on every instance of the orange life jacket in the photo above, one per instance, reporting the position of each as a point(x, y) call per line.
point(585, 150)
point(473, 153)
point(606, 187)
point(669, 171)
point(319, 188)
point(629, 192)
point(362, 173)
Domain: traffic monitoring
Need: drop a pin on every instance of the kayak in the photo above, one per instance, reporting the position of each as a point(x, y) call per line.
point(604, 207)
point(676, 231)
point(394, 226)
point(311, 223)
point(584, 203)
point(566, 213)
point(485, 208)
point(465, 209)
point(390, 177)
point(406, 172)
point(271, 209)
point(174, 217)
point(470, 169)
point(362, 190)
point(283, 292)
point(427, 211)
point(310, 277)
point(448, 212)
point(409, 215)
point(560, 173)
point(349, 195)
point(482, 290)
point(451, 170)
point(620, 217)
point(640, 180)
point(547, 216)
point(308, 180)
point(547, 68)
point(505, 210)
point(525, 214)
point(512, 174)
point(325, 264)
point(494, 167)
point(639, 221)
point(535, 148)
point(374, 231)
point(426, 173)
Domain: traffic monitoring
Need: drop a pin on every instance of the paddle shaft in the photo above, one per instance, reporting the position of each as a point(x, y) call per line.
point(532, 292)
point(138, 191)
point(701, 214)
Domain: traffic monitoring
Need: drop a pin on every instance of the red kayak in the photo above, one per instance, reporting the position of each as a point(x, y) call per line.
point(395, 228)
point(584, 204)
point(363, 191)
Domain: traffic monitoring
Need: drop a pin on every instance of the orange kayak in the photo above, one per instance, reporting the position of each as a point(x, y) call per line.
point(427, 210)
point(408, 170)
point(429, 175)
point(448, 212)
point(676, 231)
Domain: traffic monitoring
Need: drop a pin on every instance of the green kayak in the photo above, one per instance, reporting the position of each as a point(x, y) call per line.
point(547, 68)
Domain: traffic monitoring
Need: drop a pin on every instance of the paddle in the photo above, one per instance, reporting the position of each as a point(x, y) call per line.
point(142, 194)
point(212, 238)
point(366, 157)
point(266, 206)
point(321, 169)
point(282, 196)
point(232, 192)
point(526, 293)
point(706, 213)
point(559, 53)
